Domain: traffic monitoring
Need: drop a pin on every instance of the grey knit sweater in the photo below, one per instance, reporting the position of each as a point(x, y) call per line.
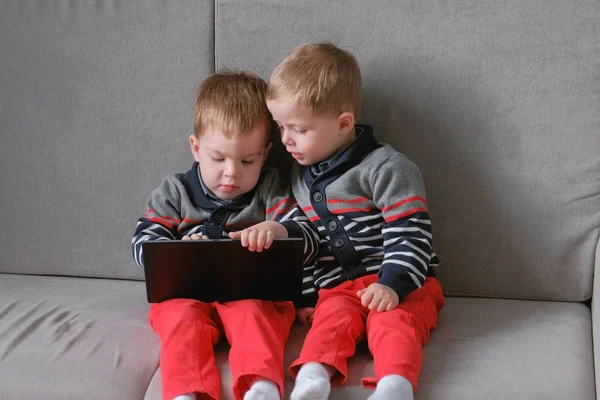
point(368, 211)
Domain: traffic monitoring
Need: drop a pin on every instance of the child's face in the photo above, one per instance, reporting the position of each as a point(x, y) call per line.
point(308, 137)
point(230, 167)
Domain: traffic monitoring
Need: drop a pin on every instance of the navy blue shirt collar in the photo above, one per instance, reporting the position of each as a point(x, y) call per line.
point(363, 145)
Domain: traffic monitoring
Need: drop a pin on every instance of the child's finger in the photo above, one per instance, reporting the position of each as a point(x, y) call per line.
point(391, 306)
point(260, 240)
point(186, 237)
point(366, 298)
point(252, 238)
point(383, 305)
point(310, 318)
point(269, 239)
point(244, 238)
point(302, 319)
point(374, 303)
point(235, 234)
point(360, 292)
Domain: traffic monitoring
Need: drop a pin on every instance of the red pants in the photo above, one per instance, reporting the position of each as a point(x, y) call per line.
point(395, 337)
point(189, 330)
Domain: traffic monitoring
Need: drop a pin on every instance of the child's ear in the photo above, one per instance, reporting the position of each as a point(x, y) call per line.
point(345, 122)
point(267, 150)
point(195, 147)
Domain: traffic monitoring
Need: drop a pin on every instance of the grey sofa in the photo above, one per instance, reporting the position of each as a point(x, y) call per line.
point(497, 102)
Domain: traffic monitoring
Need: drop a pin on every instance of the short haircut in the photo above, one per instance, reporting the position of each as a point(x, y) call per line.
point(321, 75)
point(233, 102)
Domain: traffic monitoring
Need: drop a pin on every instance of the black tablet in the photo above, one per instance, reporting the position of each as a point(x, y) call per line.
point(222, 270)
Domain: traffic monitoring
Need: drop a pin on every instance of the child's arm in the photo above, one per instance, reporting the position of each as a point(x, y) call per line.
point(283, 216)
point(282, 211)
point(160, 221)
point(399, 192)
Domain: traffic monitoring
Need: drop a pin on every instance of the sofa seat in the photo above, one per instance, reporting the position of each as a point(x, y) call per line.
point(547, 347)
point(65, 338)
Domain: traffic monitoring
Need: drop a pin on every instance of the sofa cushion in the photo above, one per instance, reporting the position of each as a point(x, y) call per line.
point(96, 106)
point(497, 102)
point(482, 349)
point(74, 338)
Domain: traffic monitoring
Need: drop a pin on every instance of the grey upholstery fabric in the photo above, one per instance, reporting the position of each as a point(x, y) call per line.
point(596, 317)
point(482, 349)
point(74, 338)
point(96, 108)
point(497, 102)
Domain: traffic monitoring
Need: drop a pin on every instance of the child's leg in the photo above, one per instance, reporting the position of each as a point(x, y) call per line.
point(396, 337)
point(187, 337)
point(257, 331)
point(338, 324)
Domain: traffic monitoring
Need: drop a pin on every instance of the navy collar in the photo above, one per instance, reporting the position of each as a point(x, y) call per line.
point(364, 144)
point(203, 198)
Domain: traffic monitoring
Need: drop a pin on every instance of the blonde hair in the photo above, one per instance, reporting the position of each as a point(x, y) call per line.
point(321, 75)
point(233, 102)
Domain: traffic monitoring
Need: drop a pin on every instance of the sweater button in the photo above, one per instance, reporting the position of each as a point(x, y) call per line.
point(317, 197)
point(219, 215)
point(339, 243)
point(332, 225)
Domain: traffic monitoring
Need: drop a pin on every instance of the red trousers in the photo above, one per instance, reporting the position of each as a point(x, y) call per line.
point(395, 337)
point(189, 330)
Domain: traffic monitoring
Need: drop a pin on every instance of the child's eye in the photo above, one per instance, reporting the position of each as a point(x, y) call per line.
point(217, 159)
point(300, 131)
point(247, 162)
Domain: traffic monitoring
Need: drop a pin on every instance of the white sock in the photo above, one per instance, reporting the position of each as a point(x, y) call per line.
point(312, 383)
point(393, 387)
point(263, 389)
point(186, 396)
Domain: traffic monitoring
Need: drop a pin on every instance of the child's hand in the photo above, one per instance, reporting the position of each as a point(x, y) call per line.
point(260, 236)
point(378, 297)
point(305, 315)
point(194, 236)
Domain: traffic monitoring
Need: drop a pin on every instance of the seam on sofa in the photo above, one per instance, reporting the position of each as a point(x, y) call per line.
point(215, 14)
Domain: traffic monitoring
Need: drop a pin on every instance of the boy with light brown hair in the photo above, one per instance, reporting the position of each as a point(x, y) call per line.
point(374, 273)
point(226, 189)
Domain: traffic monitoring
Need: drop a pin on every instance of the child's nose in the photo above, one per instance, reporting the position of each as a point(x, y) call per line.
point(231, 169)
point(286, 138)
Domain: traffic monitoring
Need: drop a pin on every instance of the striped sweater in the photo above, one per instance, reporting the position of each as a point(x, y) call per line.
point(180, 206)
point(369, 212)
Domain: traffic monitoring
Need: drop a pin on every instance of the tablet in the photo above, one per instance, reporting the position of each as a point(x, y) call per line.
point(222, 270)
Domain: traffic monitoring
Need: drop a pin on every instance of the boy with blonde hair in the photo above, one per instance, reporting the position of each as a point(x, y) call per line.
point(226, 189)
point(374, 272)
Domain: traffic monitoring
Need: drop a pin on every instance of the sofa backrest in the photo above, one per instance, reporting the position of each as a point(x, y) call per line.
point(96, 108)
point(496, 101)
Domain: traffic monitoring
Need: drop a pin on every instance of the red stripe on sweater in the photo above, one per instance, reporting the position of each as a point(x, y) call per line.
point(161, 221)
point(276, 206)
point(357, 200)
point(150, 211)
point(404, 214)
point(401, 202)
point(347, 210)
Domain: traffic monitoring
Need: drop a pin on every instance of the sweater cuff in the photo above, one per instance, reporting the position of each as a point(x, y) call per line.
point(397, 282)
point(293, 229)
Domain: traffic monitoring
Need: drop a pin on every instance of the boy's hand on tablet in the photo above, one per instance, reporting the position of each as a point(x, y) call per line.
point(378, 297)
point(260, 236)
point(194, 236)
point(305, 315)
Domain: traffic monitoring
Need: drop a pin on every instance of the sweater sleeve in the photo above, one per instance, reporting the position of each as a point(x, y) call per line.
point(399, 192)
point(161, 220)
point(298, 225)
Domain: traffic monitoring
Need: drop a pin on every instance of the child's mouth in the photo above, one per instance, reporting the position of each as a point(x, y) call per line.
point(228, 188)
